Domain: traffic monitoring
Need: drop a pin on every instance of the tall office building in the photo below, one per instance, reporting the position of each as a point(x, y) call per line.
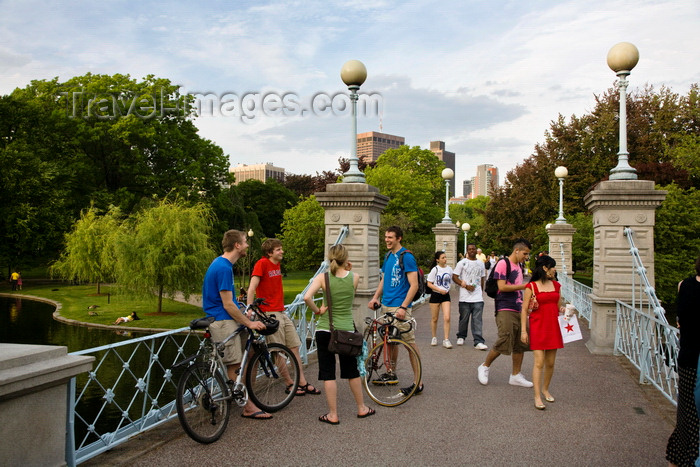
point(372, 144)
point(262, 172)
point(438, 148)
point(467, 189)
point(486, 178)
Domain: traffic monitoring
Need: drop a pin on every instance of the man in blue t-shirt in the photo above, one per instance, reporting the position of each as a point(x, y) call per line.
point(397, 287)
point(508, 307)
point(219, 301)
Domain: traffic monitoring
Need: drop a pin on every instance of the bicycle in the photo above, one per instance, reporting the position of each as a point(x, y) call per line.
point(204, 391)
point(391, 362)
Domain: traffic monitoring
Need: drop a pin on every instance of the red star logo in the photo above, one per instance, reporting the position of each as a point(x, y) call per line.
point(569, 328)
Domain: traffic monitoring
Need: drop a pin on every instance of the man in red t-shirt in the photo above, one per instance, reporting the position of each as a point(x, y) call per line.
point(266, 282)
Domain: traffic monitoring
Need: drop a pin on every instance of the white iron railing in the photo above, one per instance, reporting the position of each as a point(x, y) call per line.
point(651, 345)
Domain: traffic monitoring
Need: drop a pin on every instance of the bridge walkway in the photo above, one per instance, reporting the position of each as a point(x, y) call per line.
point(601, 416)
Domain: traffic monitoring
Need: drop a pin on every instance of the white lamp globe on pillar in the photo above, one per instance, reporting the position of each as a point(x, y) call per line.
point(447, 175)
point(561, 173)
point(622, 58)
point(465, 229)
point(353, 73)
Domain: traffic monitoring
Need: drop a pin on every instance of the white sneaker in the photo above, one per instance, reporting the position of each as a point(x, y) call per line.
point(460, 341)
point(447, 344)
point(519, 380)
point(481, 346)
point(434, 341)
point(483, 374)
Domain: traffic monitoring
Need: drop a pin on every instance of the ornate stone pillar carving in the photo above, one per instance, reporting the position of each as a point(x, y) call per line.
point(358, 206)
point(617, 204)
point(561, 235)
point(446, 239)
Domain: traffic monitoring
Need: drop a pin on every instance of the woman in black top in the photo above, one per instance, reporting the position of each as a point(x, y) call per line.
point(682, 448)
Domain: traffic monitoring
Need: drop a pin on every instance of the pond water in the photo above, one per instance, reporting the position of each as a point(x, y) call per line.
point(30, 322)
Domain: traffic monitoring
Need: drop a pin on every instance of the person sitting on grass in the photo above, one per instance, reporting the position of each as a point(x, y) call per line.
point(125, 319)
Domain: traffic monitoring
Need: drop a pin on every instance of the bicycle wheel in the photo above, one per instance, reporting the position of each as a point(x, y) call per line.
point(203, 403)
point(269, 375)
point(391, 380)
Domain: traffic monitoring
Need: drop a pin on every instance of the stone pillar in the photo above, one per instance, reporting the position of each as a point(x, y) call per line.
point(617, 204)
point(358, 206)
point(446, 239)
point(561, 235)
point(33, 402)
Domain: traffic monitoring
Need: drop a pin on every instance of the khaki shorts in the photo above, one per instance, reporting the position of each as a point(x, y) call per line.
point(233, 352)
point(286, 334)
point(508, 323)
point(410, 336)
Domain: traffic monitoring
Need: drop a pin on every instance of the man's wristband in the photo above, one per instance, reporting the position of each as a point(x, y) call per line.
point(403, 308)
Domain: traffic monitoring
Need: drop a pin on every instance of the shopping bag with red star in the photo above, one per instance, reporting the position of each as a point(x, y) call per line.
point(570, 329)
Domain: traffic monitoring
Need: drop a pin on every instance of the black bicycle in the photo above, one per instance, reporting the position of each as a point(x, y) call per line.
point(205, 393)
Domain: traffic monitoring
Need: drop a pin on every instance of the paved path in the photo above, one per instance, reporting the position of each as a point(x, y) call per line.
point(601, 417)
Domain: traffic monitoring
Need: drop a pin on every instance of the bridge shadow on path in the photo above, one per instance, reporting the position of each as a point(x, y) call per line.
point(601, 416)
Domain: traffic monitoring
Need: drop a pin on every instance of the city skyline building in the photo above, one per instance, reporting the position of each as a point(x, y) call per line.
point(467, 189)
point(262, 172)
point(372, 144)
point(486, 179)
point(438, 148)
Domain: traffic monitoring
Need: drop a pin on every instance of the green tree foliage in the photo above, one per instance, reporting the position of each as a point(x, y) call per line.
point(303, 234)
point(164, 249)
point(110, 140)
point(472, 212)
point(676, 239)
point(86, 257)
point(582, 247)
point(411, 178)
point(268, 201)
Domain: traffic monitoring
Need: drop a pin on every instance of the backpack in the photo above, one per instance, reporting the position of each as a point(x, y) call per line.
point(421, 276)
point(491, 285)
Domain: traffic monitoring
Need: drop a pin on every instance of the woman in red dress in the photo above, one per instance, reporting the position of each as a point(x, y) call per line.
point(545, 336)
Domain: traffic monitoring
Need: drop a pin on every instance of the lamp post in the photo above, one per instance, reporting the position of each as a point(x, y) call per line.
point(250, 235)
point(465, 229)
point(353, 73)
point(622, 58)
point(447, 175)
point(561, 172)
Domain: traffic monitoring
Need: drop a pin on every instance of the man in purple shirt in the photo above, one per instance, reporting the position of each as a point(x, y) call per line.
point(508, 306)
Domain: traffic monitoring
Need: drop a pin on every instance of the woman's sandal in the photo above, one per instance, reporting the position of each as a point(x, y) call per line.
point(306, 389)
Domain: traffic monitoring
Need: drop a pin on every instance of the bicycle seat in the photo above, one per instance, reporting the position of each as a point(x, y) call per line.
point(201, 323)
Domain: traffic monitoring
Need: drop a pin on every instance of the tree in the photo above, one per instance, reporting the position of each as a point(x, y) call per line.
point(303, 234)
point(109, 140)
point(164, 249)
point(86, 255)
point(676, 239)
point(268, 201)
point(411, 177)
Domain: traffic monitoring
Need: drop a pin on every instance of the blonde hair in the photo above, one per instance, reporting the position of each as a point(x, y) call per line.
point(337, 255)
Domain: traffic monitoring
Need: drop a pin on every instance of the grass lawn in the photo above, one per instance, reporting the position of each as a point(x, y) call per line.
point(75, 300)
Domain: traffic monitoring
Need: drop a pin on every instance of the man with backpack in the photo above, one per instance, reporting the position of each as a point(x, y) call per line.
point(397, 288)
point(509, 277)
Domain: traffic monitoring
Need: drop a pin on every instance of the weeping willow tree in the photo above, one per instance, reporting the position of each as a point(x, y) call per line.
point(86, 255)
point(164, 249)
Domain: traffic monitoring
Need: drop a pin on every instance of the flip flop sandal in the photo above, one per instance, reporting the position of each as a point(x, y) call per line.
point(306, 389)
point(324, 419)
point(299, 392)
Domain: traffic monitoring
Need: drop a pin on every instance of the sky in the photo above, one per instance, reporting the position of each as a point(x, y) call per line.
point(485, 77)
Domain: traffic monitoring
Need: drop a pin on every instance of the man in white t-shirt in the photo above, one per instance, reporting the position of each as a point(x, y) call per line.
point(469, 276)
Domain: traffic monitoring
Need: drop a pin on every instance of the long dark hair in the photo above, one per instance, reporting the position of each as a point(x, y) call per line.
point(436, 256)
point(542, 262)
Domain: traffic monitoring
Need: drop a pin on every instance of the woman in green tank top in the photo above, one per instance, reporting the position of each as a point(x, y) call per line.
point(343, 283)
